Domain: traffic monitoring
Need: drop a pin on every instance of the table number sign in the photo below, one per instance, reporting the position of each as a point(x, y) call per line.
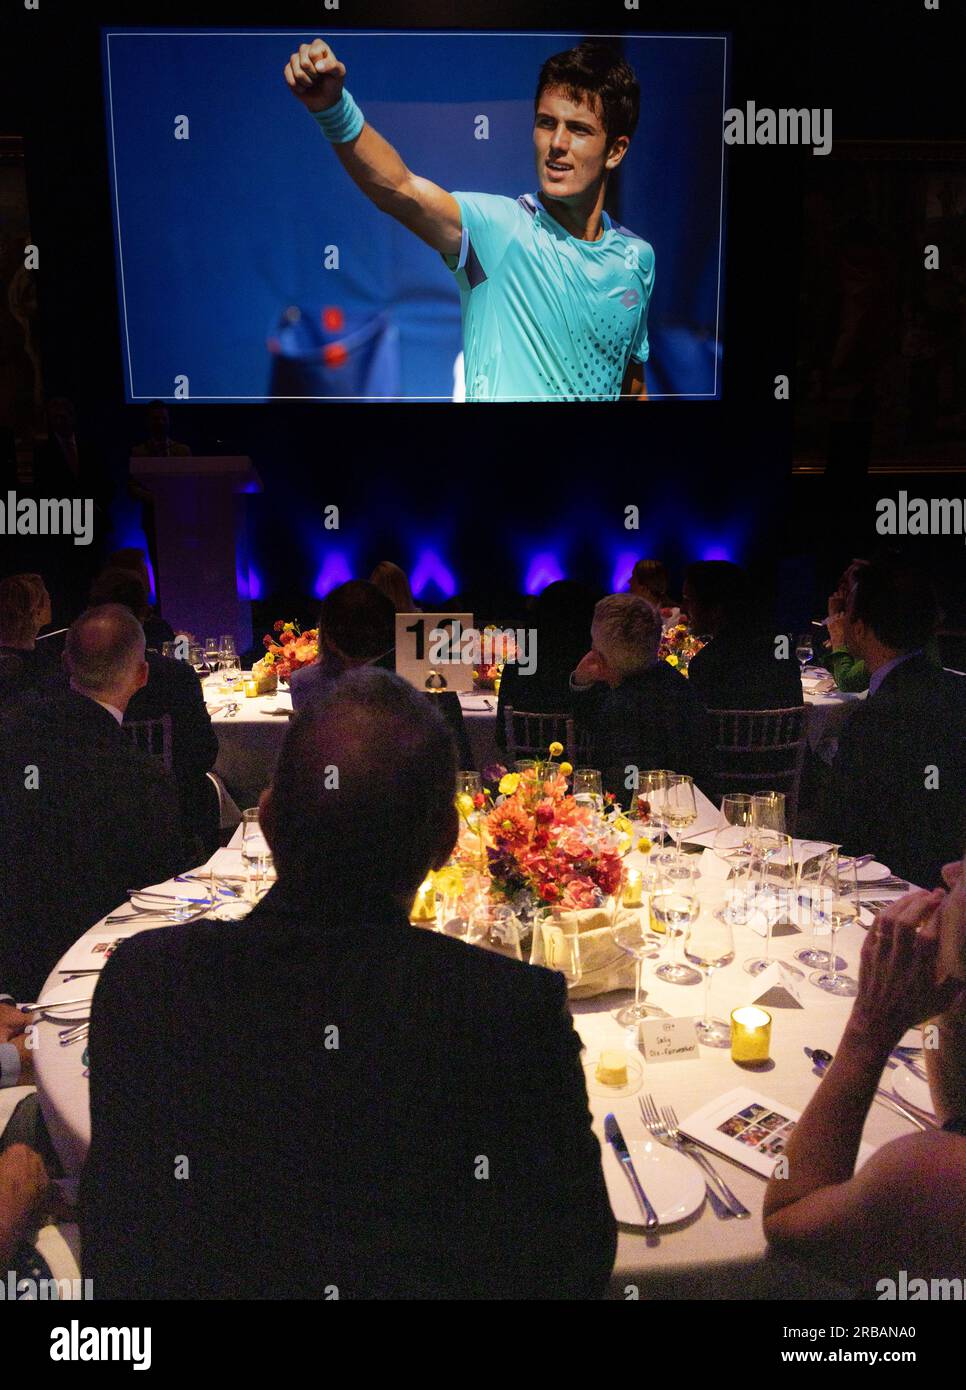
point(669, 1040)
point(431, 652)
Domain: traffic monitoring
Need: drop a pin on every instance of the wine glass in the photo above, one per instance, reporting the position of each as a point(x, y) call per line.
point(679, 812)
point(734, 843)
point(768, 809)
point(632, 934)
point(651, 787)
point(212, 653)
point(710, 945)
point(230, 672)
point(227, 646)
point(839, 905)
point(196, 658)
point(254, 851)
point(674, 909)
point(777, 886)
point(812, 889)
point(469, 782)
point(587, 789)
point(495, 927)
point(804, 650)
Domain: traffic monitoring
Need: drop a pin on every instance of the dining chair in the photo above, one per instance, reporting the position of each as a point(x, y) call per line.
point(529, 734)
point(151, 736)
point(761, 750)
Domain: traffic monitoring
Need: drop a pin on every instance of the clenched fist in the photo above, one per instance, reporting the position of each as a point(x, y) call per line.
point(315, 75)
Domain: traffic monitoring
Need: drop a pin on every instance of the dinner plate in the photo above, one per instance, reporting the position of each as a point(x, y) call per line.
point(908, 1086)
point(871, 873)
point(672, 1182)
point(69, 989)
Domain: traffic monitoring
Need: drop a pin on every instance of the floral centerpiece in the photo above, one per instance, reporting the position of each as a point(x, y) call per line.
point(678, 646)
point(500, 648)
point(538, 844)
point(288, 649)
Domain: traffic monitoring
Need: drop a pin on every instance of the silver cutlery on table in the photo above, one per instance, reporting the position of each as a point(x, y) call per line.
point(666, 1132)
point(856, 863)
point(72, 1035)
point(43, 1004)
point(612, 1132)
point(822, 1060)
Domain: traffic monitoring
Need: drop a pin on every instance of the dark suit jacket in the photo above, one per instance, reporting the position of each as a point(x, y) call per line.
point(738, 669)
point(883, 797)
point(174, 688)
point(650, 720)
point(362, 1104)
point(102, 818)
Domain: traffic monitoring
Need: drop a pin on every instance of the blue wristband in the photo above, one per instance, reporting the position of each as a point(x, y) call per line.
point(342, 122)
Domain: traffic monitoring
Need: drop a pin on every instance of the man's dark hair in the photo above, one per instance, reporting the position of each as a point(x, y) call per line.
point(121, 586)
point(362, 797)
point(359, 620)
point(596, 69)
point(718, 584)
point(896, 599)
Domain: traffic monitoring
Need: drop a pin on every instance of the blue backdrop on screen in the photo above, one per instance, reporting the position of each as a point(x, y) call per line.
point(222, 238)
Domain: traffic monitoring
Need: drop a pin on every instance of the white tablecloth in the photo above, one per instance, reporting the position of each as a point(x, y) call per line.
point(702, 1257)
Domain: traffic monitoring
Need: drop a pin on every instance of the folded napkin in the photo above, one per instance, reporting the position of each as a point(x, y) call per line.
point(604, 966)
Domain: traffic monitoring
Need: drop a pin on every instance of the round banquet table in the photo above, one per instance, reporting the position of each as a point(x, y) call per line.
point(249, 741)
point(702, 1257)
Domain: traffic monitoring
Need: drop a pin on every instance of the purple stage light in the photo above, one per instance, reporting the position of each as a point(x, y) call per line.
point(430, 573)
point(335, 571)
point(543, 569)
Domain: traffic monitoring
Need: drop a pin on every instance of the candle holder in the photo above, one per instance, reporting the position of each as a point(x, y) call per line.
point(750, 1035)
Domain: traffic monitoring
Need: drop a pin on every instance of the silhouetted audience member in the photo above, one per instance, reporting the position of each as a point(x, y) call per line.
point(85, 815)
point(905, 1208)
point(387, 1040)
point(156, 630)
point(173, 688)
point(899, 776)
point(561, 615)
point(159, 443)
point(357, 627)
point(24, 610)
point(743, 665)
point(649, 580)
point(390, 580)
point(637, 710)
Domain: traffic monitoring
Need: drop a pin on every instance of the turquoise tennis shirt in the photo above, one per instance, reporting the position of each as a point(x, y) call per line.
point(547, 316)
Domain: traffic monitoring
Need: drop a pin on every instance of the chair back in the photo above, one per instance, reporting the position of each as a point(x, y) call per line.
point(529, 734)
point(151, 736)
point(761, 750)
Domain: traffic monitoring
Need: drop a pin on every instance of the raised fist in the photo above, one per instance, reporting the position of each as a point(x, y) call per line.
point(315, 75)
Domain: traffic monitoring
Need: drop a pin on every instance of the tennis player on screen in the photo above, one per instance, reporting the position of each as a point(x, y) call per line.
point(554, 293)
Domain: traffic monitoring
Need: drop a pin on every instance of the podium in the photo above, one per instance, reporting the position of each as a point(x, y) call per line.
point(202, 544)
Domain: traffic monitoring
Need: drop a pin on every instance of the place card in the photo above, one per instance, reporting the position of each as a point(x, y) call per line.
point(714, 869)
point(778, 986)
point(669, 1040)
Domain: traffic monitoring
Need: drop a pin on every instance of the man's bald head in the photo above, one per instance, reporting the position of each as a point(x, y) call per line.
point(362, 800)
point(104, 654)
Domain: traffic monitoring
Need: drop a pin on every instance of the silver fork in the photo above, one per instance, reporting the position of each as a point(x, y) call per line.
point(650, 1117)
point(72, 1035)
point(670, 1134)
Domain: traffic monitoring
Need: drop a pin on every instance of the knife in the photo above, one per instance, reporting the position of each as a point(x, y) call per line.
point(612, 1132)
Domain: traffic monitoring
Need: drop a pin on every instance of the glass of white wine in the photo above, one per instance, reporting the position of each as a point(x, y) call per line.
point(674, 909)
point(680, 811)
point(804, 650)
point(839, 904)
point(710, 945)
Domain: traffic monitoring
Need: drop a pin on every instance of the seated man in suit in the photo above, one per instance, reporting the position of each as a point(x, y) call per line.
point(85, 815)
point(413, 1124)
point(173, 688)
point(742, 666)
point(899, 776)
point(638, 711)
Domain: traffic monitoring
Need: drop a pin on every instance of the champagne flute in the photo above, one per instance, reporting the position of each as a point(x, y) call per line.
point(840, 907)
point(804, 650)
point(679, 812)
point(674, 909)
point(631, 934)
point(710, 945)
point(777, 886)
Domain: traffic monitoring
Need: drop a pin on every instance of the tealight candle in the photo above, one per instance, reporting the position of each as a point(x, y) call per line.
point(633, 885)
point(424, 903)
point(251, 689)
point(750, 1034)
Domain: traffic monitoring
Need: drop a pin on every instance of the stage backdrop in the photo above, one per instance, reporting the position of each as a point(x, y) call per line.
point(221, 237)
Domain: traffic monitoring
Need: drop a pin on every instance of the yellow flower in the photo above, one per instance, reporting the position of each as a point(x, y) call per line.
point(671, 660)
point(464, 803)
point(509, 783)
point(623, 824)
point(566, 769)
point(449, 881)
point(644, 845)
point(556, 749)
